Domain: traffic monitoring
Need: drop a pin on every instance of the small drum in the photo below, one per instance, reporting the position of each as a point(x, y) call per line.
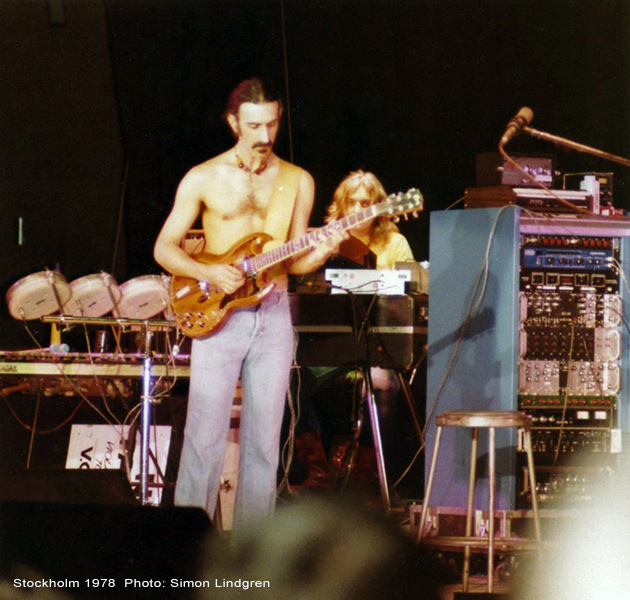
point(93, 296)
point(144, 297)
point(37, 295)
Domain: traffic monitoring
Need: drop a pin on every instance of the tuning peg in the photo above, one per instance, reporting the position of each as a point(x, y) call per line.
point(415, 214)
point(406, 217)
point(396, 219)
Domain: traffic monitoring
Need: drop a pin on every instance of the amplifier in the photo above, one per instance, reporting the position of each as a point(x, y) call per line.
point(534, 199)
point(194, 241)
point(597, 184)
point(382, 331)
point(493, 169)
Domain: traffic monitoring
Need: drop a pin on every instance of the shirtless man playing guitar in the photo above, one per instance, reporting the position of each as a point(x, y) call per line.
point(245, 190)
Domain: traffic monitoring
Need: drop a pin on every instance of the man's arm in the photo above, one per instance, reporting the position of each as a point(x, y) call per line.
point(169, 254)
point(324, 249)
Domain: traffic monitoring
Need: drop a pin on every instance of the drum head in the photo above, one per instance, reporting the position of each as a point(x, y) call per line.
point(144, 297)
point(37, 295)
point(92, 295)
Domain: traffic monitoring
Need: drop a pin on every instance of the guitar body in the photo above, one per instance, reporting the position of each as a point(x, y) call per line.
point(200, 311)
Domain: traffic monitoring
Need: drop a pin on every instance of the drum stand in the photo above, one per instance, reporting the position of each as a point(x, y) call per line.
point(146, 400)
point(146, 415)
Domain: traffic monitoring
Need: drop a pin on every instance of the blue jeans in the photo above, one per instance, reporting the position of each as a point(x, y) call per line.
point(256, 344)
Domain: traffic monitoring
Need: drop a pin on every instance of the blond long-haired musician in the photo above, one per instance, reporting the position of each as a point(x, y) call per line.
point(234, 194)
point(357, 191)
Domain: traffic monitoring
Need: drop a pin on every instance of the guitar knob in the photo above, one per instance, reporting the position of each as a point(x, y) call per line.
point(189, 325)
point(199, 315)
point(201, 324)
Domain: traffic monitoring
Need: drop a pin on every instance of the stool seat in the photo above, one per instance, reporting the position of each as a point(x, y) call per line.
point(483, 418)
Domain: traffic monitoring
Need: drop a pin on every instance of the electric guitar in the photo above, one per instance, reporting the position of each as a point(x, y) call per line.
point(201, 311)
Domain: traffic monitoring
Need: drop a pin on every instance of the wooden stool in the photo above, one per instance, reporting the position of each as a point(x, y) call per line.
point(490, 420)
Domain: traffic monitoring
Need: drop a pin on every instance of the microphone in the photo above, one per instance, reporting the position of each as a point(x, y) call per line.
point(520, 120)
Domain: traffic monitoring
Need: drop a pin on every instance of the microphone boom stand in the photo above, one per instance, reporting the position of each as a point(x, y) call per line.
point(554, 139)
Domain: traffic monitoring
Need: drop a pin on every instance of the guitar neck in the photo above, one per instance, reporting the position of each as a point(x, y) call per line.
point(289, 249)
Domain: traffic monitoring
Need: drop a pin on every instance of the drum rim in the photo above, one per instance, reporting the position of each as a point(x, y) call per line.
point(14, 294)
point(22, 280)
point(93, 276)
point(160, 290)
point(161, 277)
point(110, 285)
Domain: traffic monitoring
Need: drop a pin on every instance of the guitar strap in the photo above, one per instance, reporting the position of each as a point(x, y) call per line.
point(282, 202)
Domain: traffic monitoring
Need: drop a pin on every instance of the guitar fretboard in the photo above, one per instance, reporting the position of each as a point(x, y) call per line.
point(292, 247)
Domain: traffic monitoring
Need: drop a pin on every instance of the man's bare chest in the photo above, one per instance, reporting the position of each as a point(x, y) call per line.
point(244, 198)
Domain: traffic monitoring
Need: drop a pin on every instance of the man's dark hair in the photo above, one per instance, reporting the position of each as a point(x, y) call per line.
point(253, 90)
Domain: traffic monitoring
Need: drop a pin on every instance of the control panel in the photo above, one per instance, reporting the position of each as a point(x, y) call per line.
point(569, 376)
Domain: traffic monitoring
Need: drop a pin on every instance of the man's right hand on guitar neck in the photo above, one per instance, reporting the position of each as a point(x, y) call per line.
point(318, 252)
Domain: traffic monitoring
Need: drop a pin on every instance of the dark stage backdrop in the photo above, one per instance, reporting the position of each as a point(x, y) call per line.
point(106, 104)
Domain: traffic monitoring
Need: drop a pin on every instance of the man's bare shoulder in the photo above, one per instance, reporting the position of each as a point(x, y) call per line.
point(288, 165)
point(212, 169)
point(306, 181)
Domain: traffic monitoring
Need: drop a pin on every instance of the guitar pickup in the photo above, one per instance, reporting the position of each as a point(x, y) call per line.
point(204, 286)
point(181, 293)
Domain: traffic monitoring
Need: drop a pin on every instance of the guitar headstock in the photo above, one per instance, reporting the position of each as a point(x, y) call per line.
point(401, 203)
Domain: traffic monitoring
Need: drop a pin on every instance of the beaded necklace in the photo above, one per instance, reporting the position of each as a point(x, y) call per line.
point(242, 165)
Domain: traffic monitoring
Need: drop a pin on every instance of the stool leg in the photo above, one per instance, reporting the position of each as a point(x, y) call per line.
point(469, 511)
point(427, 493)
point(491, 483)
point(532, 485)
